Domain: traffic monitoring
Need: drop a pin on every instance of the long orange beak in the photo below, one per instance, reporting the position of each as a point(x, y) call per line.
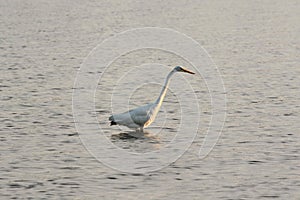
point(187, 71)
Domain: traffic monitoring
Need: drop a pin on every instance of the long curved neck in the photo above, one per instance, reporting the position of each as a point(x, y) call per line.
point(163, 92)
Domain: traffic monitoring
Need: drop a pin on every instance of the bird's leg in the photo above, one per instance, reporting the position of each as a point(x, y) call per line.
point(138, 129)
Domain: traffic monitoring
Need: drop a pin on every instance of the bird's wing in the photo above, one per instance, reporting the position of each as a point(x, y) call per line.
point(133, 118)
point(123, 119)
point(140, 115)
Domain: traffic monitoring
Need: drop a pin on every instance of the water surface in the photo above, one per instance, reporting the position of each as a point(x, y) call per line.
point(254, 44)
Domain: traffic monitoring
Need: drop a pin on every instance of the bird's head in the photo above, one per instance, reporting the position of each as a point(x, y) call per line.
point(182, 69)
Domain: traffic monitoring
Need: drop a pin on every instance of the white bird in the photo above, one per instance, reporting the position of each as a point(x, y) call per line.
point(143, 116)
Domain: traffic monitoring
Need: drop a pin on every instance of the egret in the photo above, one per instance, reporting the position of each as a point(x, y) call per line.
point(143, 116)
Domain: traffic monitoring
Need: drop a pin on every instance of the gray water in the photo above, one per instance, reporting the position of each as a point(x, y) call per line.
point(256, 48)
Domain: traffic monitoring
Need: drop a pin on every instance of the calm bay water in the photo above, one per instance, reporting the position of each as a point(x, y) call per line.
point(256, 47)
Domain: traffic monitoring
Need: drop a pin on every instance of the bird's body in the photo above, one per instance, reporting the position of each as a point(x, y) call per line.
point(137, 118)
point(143, 116)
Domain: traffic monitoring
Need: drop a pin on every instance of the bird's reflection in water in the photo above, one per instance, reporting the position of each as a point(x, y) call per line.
point(135, 135)
point(137, 141)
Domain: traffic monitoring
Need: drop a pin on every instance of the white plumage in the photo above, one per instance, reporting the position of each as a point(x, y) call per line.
point(143, 116)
